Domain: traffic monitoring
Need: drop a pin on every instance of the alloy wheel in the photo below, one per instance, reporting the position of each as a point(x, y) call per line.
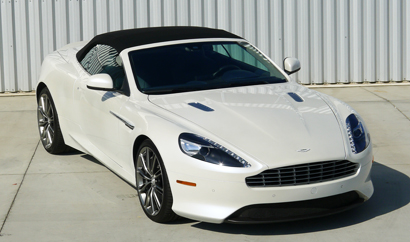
point(45, 115)
point(150, 179)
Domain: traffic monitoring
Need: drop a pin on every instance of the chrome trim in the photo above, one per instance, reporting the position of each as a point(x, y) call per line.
point(129, 125)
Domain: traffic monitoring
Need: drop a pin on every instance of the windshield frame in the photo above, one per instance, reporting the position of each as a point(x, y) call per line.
point(127, 63)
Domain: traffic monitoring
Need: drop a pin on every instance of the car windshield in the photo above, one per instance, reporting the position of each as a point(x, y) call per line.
point(201, 66)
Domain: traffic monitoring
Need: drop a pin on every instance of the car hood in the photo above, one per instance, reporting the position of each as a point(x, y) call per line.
point(265, 122)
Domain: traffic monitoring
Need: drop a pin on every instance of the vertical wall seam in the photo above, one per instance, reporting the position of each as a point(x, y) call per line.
point(349, 72)
point(282, 30)
point(243, 16)
point(269, 51)
point(362, 43)
point(81, 20)
point(322, 53)
point(216, 14)
point(28, 59)
point(202, 13)
point(108, 14)
point(94, 17)
point(388, 43)
point(2, 84)
point(189, 13)
point(40, 7)
point(162, 13)
point(53, 17)
point(176, 12)
point(256, 22)
point(13, 17)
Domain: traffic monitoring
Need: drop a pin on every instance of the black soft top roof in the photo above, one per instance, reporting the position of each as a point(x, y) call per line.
point(123, 39)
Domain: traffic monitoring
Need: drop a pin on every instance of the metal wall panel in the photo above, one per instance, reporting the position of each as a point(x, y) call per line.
point(406, 45)
point(337, 41)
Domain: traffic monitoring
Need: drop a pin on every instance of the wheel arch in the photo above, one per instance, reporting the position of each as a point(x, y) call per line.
point(137, 143)
point(40, 87)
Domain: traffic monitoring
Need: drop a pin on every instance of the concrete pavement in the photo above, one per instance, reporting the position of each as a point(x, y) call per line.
point(73, 197)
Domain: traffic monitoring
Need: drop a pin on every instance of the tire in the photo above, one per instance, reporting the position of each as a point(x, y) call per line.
point(48, 125)
point(152, 184)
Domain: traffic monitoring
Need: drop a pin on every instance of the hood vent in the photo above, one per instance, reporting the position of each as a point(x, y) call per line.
point(201, 107)
point(295, 97)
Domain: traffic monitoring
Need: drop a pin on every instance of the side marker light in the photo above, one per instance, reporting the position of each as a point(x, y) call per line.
point(186, 183)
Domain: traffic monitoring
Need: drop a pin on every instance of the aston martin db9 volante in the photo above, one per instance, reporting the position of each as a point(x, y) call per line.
point(205, 126)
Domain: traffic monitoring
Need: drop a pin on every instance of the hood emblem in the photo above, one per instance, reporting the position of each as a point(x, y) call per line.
point(303, 150)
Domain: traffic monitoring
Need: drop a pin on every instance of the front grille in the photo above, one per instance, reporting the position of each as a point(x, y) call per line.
point(309, 173)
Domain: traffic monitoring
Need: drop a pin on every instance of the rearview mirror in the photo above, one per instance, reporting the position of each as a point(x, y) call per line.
point(100, 82)
point(291, 65)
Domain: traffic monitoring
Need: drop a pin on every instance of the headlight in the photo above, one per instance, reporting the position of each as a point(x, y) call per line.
point(359, 138)
point(206, 150)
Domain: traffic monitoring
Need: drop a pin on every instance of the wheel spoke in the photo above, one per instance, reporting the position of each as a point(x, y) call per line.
point(42, 123)
point(49, 137)
point(151, 194)
point(154, 161)
point(139, 171)
point(157, 202)
point(148, 162)
point(159, 189)
point(158, 173)
point(41, 109)
point(143, 187)
point(148, 199)
point(49, 111)
point(43, 134)
point(51, 130)
point(144, 164)
point(43, 106)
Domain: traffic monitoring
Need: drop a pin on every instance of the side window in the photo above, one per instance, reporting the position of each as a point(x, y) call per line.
point(103, 59)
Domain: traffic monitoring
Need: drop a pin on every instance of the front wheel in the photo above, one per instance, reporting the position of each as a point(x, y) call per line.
point(48, 126)
point(152, 184)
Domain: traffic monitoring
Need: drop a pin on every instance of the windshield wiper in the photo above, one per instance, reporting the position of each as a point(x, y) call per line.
point(170, 90)
point(248, 83)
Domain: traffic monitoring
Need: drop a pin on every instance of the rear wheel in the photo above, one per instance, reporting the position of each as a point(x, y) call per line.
point(152, 183)
point(48, 126)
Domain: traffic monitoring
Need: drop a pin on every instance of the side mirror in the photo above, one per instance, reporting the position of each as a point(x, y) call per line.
point(291, 65)
point(100, 82)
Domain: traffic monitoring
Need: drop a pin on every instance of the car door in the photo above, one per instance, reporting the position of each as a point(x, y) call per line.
point(99, 110)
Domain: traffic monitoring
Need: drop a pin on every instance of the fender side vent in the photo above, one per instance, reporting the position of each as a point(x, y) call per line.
point(295, 97)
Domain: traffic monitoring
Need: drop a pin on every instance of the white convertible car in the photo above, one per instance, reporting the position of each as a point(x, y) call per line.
point(205, 126)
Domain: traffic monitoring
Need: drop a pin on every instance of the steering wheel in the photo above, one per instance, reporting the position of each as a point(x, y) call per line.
point(224, 69)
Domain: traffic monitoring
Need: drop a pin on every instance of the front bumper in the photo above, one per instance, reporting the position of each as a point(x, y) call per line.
point(219, 198)
point(284, 212)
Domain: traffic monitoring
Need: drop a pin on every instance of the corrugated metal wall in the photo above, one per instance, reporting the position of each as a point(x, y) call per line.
point(337, 41)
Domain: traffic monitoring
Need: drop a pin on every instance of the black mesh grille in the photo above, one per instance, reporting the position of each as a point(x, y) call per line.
point(303, 174)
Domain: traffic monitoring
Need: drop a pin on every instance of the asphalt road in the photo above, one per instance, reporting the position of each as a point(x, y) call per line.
point(73, 197)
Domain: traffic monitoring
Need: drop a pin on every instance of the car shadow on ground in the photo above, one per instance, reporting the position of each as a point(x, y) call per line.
point(92, 159)
point(391, 193)
point(85, 156)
